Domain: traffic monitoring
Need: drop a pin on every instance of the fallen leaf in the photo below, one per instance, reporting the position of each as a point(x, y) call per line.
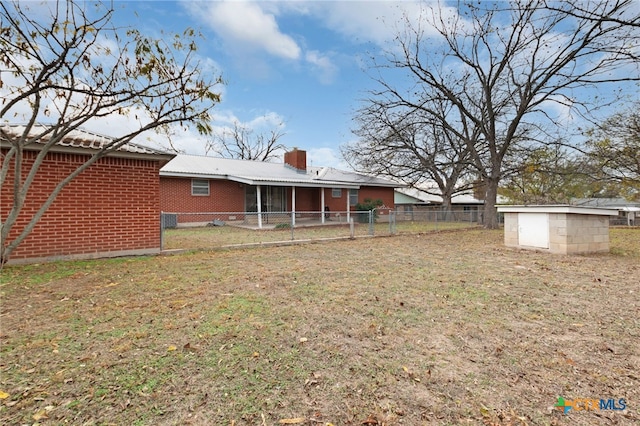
point(42, 414)
point(484, 411)
point(292, 421)
point(4, 395)
point(371, 420)
point(172, 348)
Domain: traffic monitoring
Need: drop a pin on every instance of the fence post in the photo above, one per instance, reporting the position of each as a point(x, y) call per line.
point(371, 216)
point(293, 222)
point(161, 231)
point(352, 229)
point(392, 222)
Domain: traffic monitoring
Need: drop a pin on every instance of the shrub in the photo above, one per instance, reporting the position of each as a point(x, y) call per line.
point(367, 205)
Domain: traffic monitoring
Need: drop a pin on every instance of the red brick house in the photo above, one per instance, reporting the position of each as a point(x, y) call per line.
point(195, 184)
point(111, 209)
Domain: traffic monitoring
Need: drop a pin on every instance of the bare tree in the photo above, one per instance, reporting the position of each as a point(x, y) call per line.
point(414, 147)
point(243, 143)
point(505, 66)
point(74, 67)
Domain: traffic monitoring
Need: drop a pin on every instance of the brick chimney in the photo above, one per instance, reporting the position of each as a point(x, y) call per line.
point(296, 159)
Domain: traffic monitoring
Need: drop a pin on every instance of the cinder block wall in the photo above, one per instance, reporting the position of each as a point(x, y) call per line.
point(511, 229)
point(110, 209)
point(584, 234)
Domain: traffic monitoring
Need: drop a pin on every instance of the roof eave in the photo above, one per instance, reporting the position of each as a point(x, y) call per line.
point(162, 157)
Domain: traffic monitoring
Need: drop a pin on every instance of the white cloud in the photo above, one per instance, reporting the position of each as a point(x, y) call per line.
point(376, 21)
point(245, 25)
point(268, 120)
point(322, 65)
point(325, 157)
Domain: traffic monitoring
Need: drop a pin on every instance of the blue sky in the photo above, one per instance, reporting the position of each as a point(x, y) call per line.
point(302, 64)
point(295, 62)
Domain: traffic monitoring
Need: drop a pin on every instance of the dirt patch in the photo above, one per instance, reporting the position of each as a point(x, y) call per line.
point(445, 328)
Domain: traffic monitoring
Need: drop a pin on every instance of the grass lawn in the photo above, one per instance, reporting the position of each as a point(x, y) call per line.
point(215, 237)
point(434, 329)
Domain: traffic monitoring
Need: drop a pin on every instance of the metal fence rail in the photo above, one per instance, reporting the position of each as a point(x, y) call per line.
point(220, 229)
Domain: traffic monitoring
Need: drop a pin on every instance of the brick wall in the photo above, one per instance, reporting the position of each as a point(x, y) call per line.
point(307, 199)
point(377, 192)
point(224, 196)
point(227, 196)
point(110, 209)
point(373, 192)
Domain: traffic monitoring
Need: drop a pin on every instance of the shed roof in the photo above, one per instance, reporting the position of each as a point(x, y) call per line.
point(259, 173)
point(558, 208)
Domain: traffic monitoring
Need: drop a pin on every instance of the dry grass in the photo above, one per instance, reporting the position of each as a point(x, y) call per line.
point(215, 237)
point(446, 328)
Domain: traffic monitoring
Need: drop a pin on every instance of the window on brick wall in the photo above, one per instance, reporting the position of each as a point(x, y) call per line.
point(353, 197)
point(199, 187)
point(336, 192)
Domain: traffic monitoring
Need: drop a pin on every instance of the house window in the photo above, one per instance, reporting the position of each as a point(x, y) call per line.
point(336, 193)
point(199, 187)
point(353, 197)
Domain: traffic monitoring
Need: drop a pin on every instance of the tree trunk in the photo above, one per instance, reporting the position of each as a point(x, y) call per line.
point(446, 207)
point(490, 214)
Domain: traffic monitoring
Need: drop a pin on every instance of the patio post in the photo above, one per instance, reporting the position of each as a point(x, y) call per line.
point(348, 209)
point(293, 206)
point(322, 205)
point(259, 201)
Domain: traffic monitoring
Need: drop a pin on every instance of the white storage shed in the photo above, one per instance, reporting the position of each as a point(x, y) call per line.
point(559, 229)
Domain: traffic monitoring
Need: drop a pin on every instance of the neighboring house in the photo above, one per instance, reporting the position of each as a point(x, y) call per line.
point(250, 191)
point(417, 204)
point(111, 209)
point(628, 211)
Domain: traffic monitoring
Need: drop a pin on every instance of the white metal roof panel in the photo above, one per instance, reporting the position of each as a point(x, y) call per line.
point(78, 138)
point(257, 172)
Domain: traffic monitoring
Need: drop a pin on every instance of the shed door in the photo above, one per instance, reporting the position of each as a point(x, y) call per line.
point(533, 230)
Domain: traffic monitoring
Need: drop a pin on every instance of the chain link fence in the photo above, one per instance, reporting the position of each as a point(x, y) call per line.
point(190, 231)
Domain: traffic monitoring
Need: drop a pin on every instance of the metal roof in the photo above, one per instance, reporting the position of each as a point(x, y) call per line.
point(418, 196)
point(78, 138)
point(617, 203)
point(259, 172)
